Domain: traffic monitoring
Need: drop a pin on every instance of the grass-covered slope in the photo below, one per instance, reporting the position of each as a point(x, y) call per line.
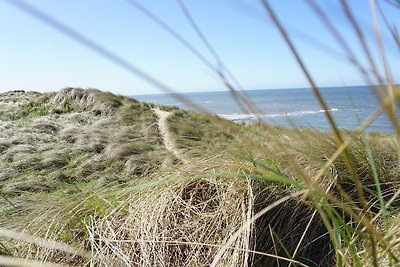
point(91, 171)
point(74, 136)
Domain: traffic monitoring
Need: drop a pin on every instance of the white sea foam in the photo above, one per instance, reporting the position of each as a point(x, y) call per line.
point(251, 117)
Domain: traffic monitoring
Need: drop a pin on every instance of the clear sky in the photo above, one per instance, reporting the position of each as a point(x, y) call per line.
point(34, 56)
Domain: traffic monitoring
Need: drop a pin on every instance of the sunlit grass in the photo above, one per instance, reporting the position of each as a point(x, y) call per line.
point(87, 180)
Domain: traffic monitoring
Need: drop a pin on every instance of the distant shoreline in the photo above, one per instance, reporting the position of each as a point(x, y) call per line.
point(247, 90)
point(292, 108)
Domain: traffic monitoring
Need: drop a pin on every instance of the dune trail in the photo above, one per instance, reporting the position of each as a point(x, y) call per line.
point(166, 136)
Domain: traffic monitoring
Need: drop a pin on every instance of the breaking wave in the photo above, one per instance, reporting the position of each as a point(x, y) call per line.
point(250, 117)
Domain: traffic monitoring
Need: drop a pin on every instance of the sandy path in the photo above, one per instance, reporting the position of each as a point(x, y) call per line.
point(166, 136)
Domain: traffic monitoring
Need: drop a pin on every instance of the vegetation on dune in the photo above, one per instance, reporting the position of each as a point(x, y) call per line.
point(95, 175)
point(70, 137)
point(86, 177)
point(201, 133)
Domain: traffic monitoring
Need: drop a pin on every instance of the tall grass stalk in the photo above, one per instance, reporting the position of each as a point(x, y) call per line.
point(213, 210)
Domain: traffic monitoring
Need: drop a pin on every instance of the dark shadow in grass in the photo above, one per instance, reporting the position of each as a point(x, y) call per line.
point(279, 231)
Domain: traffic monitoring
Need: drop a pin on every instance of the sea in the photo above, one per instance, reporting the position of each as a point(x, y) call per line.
point(295, 108)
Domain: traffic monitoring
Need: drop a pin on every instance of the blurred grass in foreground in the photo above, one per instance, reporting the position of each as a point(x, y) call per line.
point(250, 195)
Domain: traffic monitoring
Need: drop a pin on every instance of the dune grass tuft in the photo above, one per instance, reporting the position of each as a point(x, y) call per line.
point(86, 180)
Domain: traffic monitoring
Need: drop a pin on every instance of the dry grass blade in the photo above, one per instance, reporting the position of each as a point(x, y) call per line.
point(244, 102)
point(51, 244)
point(321, 100)
point(220, 63)
point(303, 235)
point(176, 242)
point(341, 40)
point(16, 262)
point(390, 107)
point(381, 47)
point(299, 34)
point(98, 49)
point(248, 223)
point(313, 86)
point(172, 32)
point(391, 28)
point(112, 182)
point(394, 3)
point(361, 38)
point(388, 104)
point(346, 144)
point(340, 140)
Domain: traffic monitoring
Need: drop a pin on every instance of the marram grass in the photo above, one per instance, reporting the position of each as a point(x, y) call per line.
point(249, 195)
point(86, 179)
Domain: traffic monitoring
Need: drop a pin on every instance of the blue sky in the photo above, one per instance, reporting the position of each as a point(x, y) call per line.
point(34, 56)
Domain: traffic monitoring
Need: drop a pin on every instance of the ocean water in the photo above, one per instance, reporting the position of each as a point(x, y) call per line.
point(289, 107)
